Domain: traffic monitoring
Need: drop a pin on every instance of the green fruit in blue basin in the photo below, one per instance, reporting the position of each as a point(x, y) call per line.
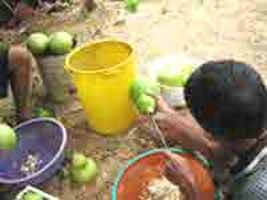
point(37, 43)
point(32, 196)
point(146, 104)
point(8, 138)
point(175, 79)
point(60, 43)
point(143, 86)
point(85, 174)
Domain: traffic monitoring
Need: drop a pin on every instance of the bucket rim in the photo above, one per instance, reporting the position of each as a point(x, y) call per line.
point(178, 150)
point(52, 161)
point(136, 159)
point(68, 66)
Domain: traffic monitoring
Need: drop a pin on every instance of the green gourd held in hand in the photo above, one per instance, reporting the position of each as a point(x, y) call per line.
point(142, 92)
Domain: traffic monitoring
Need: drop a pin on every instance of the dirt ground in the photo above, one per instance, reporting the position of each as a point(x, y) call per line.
point(207, 29)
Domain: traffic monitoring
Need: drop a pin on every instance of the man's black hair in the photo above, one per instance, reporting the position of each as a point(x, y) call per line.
point(228, 98)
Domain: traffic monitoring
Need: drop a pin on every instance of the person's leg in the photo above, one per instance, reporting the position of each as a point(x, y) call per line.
point(20, 66)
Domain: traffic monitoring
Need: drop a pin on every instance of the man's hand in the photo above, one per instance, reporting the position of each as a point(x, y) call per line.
point(179, 172)
point(185, 131)
point(178, 129)
point(193, 179)
point(178, 168)
point(161, 107)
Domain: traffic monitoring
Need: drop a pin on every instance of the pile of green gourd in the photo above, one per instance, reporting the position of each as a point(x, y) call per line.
point(58, 43)
point(176, 78)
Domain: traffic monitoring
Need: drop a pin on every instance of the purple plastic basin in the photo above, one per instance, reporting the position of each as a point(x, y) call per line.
point(44, 137)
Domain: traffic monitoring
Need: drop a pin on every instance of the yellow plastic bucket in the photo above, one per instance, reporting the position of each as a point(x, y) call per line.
point(102, 72)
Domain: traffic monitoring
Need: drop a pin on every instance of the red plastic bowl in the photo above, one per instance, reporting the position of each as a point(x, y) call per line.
point(149, 165)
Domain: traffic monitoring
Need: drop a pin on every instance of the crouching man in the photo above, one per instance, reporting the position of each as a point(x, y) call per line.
point(228, 103)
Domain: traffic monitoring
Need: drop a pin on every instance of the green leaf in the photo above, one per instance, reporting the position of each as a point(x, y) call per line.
point(3, 49)
point(132, 5)
point(41, 112)
point(64, 174)
point(68, 154)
